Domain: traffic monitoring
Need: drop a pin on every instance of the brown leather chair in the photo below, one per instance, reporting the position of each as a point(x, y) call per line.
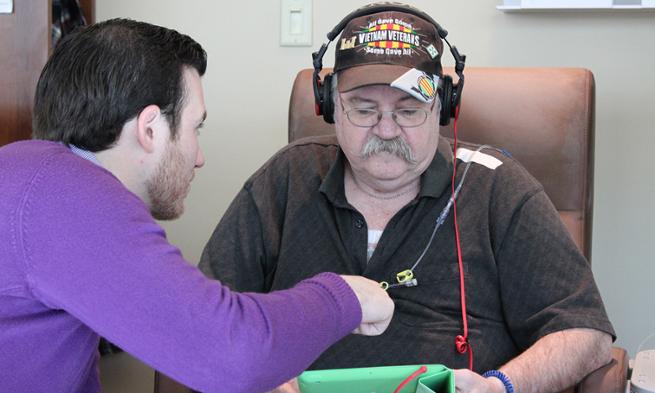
point(545, 118)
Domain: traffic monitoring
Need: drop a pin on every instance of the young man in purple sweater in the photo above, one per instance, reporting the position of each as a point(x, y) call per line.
point(116, 115)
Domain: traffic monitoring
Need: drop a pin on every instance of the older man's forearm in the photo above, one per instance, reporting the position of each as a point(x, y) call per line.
point(559, 360)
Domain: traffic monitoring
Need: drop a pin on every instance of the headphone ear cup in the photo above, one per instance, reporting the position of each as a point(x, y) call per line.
point(446, 97)
point(327, 104)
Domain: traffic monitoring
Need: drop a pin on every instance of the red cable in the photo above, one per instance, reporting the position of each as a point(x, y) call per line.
point(415, 374)
point(461, 342)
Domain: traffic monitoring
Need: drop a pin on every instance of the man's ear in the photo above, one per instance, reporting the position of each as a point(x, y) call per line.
point(147, 123)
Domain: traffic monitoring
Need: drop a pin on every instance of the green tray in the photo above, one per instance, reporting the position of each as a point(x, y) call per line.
point(437, 379)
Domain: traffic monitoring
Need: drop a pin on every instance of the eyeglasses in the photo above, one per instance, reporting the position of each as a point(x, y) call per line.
point(404, 117)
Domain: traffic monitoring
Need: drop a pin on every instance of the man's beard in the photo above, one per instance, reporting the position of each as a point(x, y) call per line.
point(169, 185)
point(397, 146)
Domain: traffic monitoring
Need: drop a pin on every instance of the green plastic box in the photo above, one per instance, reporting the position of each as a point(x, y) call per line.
point(437, 379)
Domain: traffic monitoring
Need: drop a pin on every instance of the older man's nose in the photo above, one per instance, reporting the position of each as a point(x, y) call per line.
point(387, 128)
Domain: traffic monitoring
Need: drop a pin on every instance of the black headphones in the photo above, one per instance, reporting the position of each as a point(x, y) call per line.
point(449, 94)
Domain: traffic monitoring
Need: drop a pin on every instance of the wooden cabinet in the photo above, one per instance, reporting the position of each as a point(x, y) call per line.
point(24, 48)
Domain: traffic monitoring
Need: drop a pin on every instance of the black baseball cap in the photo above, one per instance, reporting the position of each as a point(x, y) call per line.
point(390, 48)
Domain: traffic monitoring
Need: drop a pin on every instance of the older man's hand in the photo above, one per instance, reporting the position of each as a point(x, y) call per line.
point(288, 387)
point(466, 381)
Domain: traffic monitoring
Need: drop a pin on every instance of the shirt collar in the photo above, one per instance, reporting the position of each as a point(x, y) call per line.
point(87, 155)
point(333, 183)
point(434, 181)
point(438, 175)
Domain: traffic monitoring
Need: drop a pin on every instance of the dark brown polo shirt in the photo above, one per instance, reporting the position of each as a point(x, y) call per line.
point(524, 276)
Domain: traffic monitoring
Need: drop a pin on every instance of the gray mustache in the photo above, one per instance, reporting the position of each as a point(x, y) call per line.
point(397, 146)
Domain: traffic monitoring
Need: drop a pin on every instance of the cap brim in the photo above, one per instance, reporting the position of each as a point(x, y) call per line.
point(366, 75)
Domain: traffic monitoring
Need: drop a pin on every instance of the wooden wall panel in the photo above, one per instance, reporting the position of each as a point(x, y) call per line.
point(24, 46)
point(89, 10)
point(24, 49)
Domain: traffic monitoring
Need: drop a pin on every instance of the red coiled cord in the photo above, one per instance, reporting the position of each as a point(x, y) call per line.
point(461, 341)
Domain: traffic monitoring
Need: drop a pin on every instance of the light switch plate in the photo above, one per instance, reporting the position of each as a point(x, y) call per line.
point(6, 6)
point(296, 23)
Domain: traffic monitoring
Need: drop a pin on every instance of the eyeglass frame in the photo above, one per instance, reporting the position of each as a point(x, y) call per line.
point(381, 113)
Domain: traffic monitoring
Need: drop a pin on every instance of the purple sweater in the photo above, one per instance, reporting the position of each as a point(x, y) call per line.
point(80, 255)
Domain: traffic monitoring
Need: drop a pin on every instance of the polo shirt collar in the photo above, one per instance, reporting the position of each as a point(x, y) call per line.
point(438, 175)
point(434, 181)
point(332, 185)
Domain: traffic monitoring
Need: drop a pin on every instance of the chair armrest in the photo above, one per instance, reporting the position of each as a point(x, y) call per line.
point(164, 384)
point(611, 378)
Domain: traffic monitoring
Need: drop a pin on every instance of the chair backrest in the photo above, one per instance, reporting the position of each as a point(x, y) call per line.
point(543, 116)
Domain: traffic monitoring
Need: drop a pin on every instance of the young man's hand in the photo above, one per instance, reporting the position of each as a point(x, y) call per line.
point(377, 306)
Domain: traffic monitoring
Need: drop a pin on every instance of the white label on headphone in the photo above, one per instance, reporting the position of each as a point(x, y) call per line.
point(432, 51)
point(418, 84)
point(467, 155)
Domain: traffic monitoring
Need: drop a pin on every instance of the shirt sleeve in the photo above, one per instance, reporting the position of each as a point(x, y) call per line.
point(547, 286)
point(91, 248)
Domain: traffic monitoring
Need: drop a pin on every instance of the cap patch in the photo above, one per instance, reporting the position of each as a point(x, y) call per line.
point(418, 84)
point(385, 36)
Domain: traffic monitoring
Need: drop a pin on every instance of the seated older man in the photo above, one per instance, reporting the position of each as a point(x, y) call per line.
point(484, 275)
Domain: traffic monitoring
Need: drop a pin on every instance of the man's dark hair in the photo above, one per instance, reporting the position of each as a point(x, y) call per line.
point(103, 75)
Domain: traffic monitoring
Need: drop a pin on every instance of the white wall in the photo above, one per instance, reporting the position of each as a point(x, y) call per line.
point(249, 78)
